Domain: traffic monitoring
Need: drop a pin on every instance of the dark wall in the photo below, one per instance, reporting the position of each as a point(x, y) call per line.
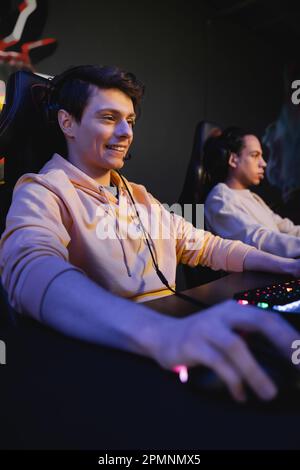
point(192, 70)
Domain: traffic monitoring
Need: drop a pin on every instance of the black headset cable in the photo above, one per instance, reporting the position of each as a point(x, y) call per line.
point(155, 264)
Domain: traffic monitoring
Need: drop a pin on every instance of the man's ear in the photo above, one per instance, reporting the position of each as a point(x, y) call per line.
point(66, 123)
point(233, 160)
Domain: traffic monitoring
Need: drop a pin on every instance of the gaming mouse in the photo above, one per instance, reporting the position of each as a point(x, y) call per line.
point(281, 370)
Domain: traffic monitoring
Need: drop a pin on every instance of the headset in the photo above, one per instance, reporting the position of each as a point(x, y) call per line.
point(50, 109)
point(50, 104)
point(147, 237)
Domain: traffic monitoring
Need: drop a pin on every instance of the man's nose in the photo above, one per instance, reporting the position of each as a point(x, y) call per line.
point(124, 129)
point(263, 163)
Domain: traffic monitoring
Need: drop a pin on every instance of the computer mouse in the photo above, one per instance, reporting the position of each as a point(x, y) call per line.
point(205, 379)
point(281, 370)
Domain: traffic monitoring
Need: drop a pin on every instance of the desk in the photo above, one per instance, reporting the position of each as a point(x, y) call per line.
point(213, 292)
point(59, 393)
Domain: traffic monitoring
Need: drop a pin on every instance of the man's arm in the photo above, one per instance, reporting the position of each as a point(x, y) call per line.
point(229, 255)
point(229, 219)
point(78, 307)
point(257, 260)
point(285, 225)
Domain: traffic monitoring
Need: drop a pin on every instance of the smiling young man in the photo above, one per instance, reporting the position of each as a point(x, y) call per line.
point(96, 145)
point(234, 162)
point(57, 269)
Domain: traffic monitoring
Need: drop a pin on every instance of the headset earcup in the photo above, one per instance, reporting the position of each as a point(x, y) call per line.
point(40, 98)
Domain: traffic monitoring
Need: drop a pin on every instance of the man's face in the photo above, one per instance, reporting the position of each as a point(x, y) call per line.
point(250, 164)
point(101, 140)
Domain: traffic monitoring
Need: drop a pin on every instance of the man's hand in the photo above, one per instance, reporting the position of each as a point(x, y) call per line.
point(294, 267)
point(208, 338)
point(258, 260)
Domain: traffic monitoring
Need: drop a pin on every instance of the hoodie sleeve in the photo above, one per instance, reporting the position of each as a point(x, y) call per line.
point(226, 217)
point(198, 247)
point(285, 225)
point(195, 246)
point(33, 247)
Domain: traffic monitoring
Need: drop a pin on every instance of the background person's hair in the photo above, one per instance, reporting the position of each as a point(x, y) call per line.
point(72, 89)
point(216, 154)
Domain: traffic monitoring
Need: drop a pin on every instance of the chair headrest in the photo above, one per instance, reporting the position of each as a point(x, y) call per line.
point(194, 187)
point(23, 109)
point(203, 132)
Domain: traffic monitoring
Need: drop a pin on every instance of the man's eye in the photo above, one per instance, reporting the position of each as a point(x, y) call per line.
point(131, 122)
point(108, 117)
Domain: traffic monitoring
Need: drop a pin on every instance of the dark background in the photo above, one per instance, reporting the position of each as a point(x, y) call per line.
point(217, 60)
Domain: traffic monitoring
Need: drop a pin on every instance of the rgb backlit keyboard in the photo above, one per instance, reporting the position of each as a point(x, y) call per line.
point(283, 297)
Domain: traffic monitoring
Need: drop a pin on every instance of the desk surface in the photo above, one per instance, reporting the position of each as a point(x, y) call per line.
point(213, 292)
point(58, 392)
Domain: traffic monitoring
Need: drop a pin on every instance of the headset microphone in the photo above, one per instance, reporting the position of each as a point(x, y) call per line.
point(127, 157)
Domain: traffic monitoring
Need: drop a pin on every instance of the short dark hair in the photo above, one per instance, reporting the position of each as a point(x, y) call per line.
point(72, 89)
point(217, 151)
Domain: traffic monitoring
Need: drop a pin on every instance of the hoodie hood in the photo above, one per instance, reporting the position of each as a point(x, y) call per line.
point(81, 180)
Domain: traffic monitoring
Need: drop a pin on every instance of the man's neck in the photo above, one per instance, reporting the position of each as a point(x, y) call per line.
point(101, 176)
point(232, 183)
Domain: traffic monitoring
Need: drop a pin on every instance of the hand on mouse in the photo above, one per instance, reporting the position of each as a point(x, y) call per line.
point(209, 339)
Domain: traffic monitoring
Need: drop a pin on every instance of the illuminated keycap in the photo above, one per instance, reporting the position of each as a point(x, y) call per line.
point(263, 305)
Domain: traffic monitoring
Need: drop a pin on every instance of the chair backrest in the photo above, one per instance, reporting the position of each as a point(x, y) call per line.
point(24, 141)
point(25, 144)
point(194, 187)
point(194, 192)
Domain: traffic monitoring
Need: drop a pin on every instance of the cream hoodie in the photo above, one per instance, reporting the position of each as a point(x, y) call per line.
point(56, 223)
point(240, 214)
